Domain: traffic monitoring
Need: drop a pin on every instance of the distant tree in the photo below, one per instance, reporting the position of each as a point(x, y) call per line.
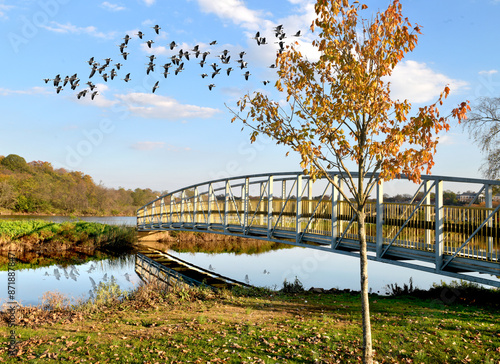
point(14, 163)
point(8, 195)
point(338, 109)
point(483, 124)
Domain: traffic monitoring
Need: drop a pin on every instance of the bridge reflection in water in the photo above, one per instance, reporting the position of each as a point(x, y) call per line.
point(423, 233)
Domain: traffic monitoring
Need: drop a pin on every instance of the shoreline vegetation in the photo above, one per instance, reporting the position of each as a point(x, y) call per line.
point(257, 325)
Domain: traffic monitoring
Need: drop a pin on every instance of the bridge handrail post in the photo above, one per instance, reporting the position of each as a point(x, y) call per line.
point(439, 224)
point(171, 209)
point(245, 192)
point(335, 210)
point(379, 224)
point(195, 206)
point(269, 205)
point(427, 213)
point(210, 202)
point(226, 205)
point(162, 205)
point(183, 196)
point(298, 209)
point(488, 203)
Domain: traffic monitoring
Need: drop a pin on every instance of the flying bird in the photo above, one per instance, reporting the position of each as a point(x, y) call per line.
point(90, 61)
point(122, 47)
point(213, 42)
point(246, 74)
point(156, 86)
point(127, 77)
point(118, 65)
point(297, 34)
point(126, 38)
point(172, 45)
point(140, 34)
point(125, 54)
point(229, 70)
point(157, 29)
point(211, 86)
point(82, 94)
point(149, 43)
point(94, 94)
point(56, 80)
point(58, 89)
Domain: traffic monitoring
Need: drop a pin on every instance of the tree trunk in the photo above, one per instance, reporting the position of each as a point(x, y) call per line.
point(365, 304)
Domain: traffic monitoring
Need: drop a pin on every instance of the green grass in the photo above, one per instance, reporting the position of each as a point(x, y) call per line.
point(257, 326)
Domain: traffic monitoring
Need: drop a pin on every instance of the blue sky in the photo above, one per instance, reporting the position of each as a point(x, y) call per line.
point(180, 135)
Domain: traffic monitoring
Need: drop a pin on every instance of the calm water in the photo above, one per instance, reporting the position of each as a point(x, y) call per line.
point(313, 268)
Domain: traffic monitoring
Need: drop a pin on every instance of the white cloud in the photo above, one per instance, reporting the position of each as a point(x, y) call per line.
point(490, 72)
point(417, 82)
point(163, 107)
point(4, 9)
point(148, 145)
point(148, 2)
point(112, 7)
point(234, 10)
point(73, 29)
point(31, 91)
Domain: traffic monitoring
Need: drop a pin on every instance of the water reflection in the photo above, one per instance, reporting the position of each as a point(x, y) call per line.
point(75, 281)
point(313, 268)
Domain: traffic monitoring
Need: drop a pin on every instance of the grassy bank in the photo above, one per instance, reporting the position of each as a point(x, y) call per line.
point(38, 243)
point(256, 326)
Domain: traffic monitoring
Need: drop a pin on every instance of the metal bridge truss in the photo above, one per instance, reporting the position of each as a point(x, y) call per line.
point(456, 241)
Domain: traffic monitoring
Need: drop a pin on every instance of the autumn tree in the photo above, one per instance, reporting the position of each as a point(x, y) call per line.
point(339, 110)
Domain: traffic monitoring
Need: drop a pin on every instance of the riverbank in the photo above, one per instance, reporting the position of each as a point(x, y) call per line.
point(37, 243)
point(252, 326)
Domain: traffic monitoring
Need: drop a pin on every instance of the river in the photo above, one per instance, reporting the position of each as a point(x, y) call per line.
point(313, 268)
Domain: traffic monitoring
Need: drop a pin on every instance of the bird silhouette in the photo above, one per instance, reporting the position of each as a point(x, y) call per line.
point(156, 86)
point(157, 29)
point(177, 58)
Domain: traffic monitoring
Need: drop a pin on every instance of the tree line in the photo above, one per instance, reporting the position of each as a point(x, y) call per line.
point(38, 188)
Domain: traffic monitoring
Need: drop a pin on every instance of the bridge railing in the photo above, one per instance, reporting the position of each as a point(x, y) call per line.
point(286, 207)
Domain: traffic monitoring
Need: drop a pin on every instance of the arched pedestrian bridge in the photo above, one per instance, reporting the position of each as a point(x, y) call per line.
point(422, 233)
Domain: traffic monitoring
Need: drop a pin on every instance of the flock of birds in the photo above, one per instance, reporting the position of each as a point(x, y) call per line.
point(108, 71)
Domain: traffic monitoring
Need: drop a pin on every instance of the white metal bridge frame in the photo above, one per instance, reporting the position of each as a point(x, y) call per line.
point(426, 235)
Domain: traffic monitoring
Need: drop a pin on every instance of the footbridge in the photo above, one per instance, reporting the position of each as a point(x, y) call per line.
point(422, 232)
